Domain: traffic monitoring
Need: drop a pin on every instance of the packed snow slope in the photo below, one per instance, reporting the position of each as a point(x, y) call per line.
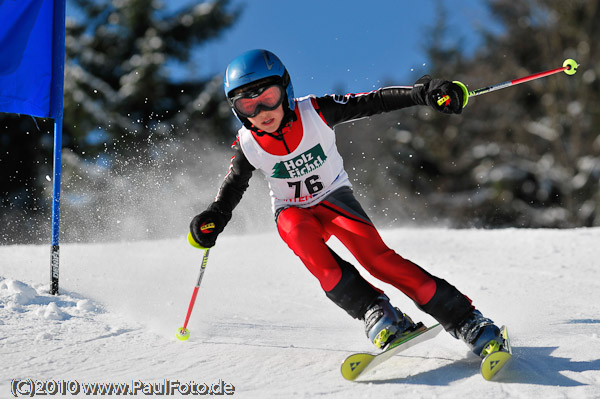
point(262, 324)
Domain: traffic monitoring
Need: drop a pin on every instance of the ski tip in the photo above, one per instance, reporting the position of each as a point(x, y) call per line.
point(182, 334)
point(357, 364)
point(507, 345)
point(493, 363)
point(354, 365)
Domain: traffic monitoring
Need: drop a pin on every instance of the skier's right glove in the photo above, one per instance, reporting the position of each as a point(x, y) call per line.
point(206, 226)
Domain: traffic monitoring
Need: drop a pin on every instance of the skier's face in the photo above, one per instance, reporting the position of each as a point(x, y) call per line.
point(268, 121)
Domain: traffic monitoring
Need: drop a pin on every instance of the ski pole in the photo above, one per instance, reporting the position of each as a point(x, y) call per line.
point(183, 333)
point(569, 67)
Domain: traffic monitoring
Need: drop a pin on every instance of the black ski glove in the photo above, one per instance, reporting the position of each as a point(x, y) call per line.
point(444, 96)
point(206, 226)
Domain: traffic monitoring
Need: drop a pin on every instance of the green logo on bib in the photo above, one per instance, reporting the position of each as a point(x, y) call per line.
point(300, 165)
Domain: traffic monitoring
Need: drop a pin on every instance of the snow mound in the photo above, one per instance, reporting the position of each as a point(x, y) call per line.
point(53, 312)
point(17, 293)
point(35, 302)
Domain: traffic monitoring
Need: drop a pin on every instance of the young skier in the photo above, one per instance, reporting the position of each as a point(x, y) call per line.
point(292, 142)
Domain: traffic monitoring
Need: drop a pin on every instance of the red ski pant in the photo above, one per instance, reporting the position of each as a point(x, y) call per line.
point(306, 230)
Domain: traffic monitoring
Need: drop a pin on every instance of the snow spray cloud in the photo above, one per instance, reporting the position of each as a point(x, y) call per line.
point(152, 196)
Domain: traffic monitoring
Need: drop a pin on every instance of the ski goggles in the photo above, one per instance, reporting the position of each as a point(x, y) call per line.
point(249, 104)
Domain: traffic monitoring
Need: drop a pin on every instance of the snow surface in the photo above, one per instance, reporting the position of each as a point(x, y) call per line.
point(262, 323)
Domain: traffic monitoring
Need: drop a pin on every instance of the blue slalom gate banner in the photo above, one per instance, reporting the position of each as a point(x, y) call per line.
point(32, 55)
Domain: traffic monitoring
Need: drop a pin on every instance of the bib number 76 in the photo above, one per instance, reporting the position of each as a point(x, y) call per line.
point(312, 183)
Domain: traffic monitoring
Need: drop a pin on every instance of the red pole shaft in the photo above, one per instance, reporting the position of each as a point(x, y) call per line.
point(509, 83)
point(196, 288)
point(190, 307)
point(537, 75)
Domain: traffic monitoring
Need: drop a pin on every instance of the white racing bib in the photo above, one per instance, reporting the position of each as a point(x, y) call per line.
point(304, 177)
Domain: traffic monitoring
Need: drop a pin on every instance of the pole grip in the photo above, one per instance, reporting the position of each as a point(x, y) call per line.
point(464, 90)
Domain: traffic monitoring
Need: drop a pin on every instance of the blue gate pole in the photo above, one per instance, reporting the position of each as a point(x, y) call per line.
point(54, 246)
point(56, 112)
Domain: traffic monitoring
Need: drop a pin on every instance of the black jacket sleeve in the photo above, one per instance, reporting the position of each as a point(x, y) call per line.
point(235, 183)
point(337, 109)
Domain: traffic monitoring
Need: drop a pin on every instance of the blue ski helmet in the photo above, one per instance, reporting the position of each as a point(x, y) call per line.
point(255, 65)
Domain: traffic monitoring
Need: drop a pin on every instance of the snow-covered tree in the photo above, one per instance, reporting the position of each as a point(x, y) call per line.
point(526, 156)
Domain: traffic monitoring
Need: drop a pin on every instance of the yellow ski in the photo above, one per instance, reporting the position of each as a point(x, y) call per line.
point(495, 361)
point(360, 363)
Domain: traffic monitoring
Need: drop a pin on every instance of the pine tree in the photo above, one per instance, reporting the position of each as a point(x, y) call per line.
point(538, 142)
point(118, 80)
point(528, 156)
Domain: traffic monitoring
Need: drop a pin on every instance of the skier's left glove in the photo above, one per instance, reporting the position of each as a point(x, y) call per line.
point(442, 95)
point(206, 226)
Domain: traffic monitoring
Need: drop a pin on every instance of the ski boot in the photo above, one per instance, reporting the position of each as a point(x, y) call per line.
point(480, 334)
point(384, 323)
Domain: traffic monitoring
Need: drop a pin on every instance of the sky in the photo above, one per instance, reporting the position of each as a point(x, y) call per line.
point(333, 46)
point(349, 45)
